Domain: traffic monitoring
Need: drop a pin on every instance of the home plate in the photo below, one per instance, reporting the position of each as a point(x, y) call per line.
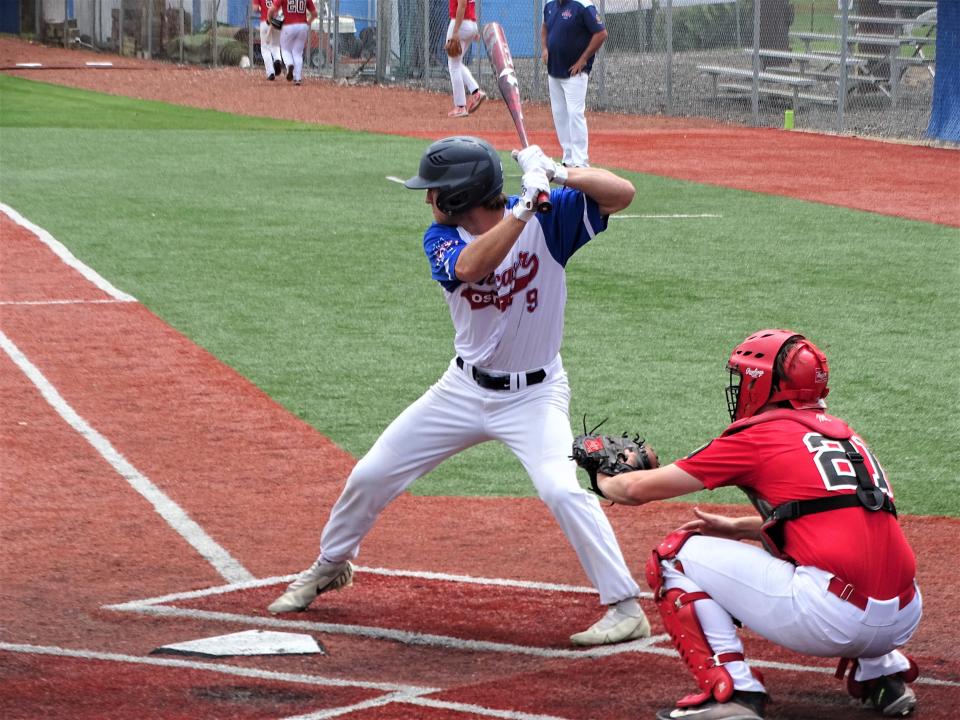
point(249, 642)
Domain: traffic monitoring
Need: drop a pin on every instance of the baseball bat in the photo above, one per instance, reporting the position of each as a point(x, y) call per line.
point(498, 51)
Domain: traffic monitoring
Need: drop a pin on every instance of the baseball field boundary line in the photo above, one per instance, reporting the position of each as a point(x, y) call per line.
point(388, 572)
point(228, 567)
point(405, 637)
point(674, 216)
point(21, 303)
point(462, 707)
point(649, 646)
point(61, 251)
point(224, 669)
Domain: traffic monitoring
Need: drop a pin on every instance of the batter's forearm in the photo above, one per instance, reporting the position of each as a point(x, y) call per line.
point(482, 256)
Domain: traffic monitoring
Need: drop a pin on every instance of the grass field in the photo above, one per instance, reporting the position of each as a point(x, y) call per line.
point(283, 249)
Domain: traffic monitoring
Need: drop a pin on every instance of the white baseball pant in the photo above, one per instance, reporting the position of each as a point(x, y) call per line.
point(568, 102)
point(455, 414)
point(269, 47)
point(461, 79)
point(293, 39)
point(788, 605)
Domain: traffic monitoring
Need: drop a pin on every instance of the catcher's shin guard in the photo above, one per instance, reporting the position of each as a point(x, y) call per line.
point(680, 621)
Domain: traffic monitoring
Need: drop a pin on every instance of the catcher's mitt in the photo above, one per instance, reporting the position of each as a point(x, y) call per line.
point(610, 455)
point(453, 47)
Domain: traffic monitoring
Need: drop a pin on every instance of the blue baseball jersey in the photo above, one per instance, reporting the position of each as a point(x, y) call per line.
point(570, 26)
point(512, 320)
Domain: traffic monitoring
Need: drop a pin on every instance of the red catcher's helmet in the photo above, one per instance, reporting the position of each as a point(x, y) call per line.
point(755, 378)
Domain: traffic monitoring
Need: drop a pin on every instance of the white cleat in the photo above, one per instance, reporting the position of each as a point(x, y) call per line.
point(615, 626)
point(316, 580)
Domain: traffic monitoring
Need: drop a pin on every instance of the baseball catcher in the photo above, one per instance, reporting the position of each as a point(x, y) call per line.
point(611, 455)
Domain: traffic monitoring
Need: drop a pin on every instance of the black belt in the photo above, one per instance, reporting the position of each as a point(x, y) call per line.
point(502, 382)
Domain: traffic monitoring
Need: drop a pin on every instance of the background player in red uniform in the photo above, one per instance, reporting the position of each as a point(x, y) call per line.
point(836, 575)
point(297, 17)
point(461, 32)
point(269, 39)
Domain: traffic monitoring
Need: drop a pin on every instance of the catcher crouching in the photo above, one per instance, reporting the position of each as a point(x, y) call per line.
point(821, 498)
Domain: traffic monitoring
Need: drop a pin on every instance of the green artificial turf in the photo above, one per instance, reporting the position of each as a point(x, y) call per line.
point(283, 249)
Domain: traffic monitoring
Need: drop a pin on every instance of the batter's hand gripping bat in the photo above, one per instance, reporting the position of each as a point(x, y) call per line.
point(498, 51)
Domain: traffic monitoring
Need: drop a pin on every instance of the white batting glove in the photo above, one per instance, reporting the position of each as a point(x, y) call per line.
point(535, 182)
point(533, 158)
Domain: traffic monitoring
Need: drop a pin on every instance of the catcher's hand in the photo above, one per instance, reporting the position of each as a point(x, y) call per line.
point(611, 456)
point(453, 47)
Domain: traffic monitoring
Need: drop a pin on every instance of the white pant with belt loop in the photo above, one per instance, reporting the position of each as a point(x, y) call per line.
point(455, 414)
point(788, 605)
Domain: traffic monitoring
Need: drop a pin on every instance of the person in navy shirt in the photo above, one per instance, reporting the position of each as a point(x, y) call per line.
point(571, 34)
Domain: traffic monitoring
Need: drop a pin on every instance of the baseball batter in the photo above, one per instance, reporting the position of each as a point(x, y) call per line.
point(269, 41)
point(297, 17)
point(835, 577)
point(500, 267)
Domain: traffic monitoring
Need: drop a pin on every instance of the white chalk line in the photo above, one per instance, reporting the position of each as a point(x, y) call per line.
point(283, 579)
point(68, 257)
point(62, 302)
point(212, 667)
point(673, 216)
point(176, 517)
point(228, 567)
point(156, 607)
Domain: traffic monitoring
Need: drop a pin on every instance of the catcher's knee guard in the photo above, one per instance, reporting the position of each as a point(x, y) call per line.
point(861, 689)
point(680, 621)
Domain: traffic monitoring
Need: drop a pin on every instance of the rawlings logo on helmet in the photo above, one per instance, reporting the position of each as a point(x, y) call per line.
point(754, 372)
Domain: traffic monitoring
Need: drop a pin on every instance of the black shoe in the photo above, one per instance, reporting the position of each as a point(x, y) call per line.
point(289, 72)
point(277, 67)
point(742, 706)
point(891, 696)
point(271, 76)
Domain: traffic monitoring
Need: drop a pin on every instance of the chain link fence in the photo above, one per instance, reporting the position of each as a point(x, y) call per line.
point(754, 62)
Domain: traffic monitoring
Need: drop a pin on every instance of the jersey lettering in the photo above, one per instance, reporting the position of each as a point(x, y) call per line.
point(836, 470)
point(517, 278)
point(296, 6)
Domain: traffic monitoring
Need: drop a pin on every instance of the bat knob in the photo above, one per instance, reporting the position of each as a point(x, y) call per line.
point(543, 203)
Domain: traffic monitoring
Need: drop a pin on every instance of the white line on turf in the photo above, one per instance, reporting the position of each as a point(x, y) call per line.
point(402, 636)
point(649, 646)
point(61, 302)
point(64, 254)
point(262, 582)
point(228, 567)
point(665, 217)
point(212, 667)
point(347, 709)
point(394, 178)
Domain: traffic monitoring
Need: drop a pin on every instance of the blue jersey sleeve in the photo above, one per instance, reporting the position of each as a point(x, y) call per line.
point(443, 245)
point(574, 220)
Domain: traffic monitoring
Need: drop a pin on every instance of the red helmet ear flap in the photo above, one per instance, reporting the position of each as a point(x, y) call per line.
point(804, 377)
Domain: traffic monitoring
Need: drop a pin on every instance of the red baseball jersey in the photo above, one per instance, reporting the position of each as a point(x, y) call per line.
point(795, 455)
point(263, 7)
point(469, 14)
point(295, 11)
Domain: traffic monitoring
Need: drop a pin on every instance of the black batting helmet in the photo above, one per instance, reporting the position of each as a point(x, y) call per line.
point(466, 171)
